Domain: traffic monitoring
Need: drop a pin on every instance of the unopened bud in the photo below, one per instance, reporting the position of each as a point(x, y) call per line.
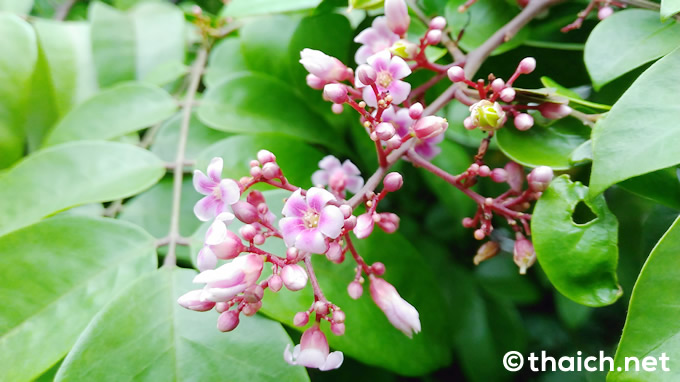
point(456, 74)
point(396, 15)
point(227, 321)
point(499, 175)
point(484, 170)
point(527, 65)
point(487, 115)
point(337, 108)
point(265, 156)
point(275, 283)
point(245, 212)
point(252, 308)
point(294, 277)
point(468, 222)
point(393, 181)
point(230, 248)
point(248, 232)
point(438, 22)
point(301, 319)
point(355, 290)
point(524, 254)
point(255, 198)
point(604, 12)
point(338, 328)
point(385, 131)
point(350, 223)
point(315, 82)
point(469, 123)
point(479, 234)
point(508, 94)
point(378, 268)
point(429, 127)
point(271, 170)
point(524, 121)
point(346, 210)
point(336, 93)
point(486, 251)
point(433, 37)
point(338, 316)
point(334, 253)
point(554, 110)
point(497, 85)
point(292, 254)
point(415, 111)
point(366, 74)
point(404, 49)
point(206, 259)
point(192, 300)
point(539, 178)
point(389, 222)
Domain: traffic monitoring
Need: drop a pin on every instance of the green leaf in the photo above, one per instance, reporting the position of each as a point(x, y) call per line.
point(579, 259)
point(572, 96)
point(113, 44)
point(73, 174)
point(200, 136)
point(114, 112)
point(499, 277)
point(166, 73)
point(264, 45)
point(636, 137)
point(22, 7)
point(661, 186)
point(297, 159)
point(625, 40)
point(669, 8)
point(242, 8)
point(253, 103)
point(144, 334)
point(17, 62)
point(481, 21)
point(56, 275)
point(544, 145)
point(652, 328)
point(225, 60)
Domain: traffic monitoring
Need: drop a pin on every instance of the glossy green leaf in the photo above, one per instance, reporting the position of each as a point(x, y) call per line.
point(626, 40)
point(22, 7)
point(264, 45)
point(651, 326)
point(543, 145)
point(115, 112)
point(160, 35)
point(637, 137)
point(73, 174)
point(661, 186)
point(573, 97)
point(56, 275)
point(241, 8)
point(579, 259)
point(225, 60)
point(669, 8)
point(17, 62)
point(145, 335)
point(253, 103)
point(113, 44)
point(200, 136)
point(166, 73)
point(297, 160)
point(481, 21)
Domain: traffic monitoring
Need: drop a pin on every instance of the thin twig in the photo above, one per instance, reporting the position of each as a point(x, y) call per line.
point(62, 12)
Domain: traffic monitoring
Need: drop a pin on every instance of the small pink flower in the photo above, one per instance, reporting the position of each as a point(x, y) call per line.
point(220, 193)
point(338, 176)
point(390, 70)
point(227, 281)
point(396, 13)
point(323, 66)
point(364, 227)
point(402, 121)
point(377, 38)
point(192, 300)
point(524, 254)
point(313, 351)
point(310, 220)
point(399, 312)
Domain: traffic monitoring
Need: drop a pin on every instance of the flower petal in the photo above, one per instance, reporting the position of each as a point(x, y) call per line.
point(291, 228)
point(320, 178)
point(288, 355)
point(295, 206)
point(231, 192)
point(206, 208)
point(206, 259)
point(217, 233)
point(399, 90)
point(369, 96)
point(312, 241)
point(362, 54)
point(364, 225)
point(380, 61)
point(317, 198)
point(221, 294)
point(333, 361)
point(398, 68)
point(215, 169)
point(354, 184)
point(331, 221)
point(329, 163)
point(311, 358)
point(202, 183)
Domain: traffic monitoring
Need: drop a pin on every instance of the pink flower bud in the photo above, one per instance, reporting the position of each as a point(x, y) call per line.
point(321, 308)
point(399, 312)
point(385, 131)
point(346, 210)
point(456, 74)
point(499, 175)
point(337, 108)
point(366, 74)
point(254, 163)
point(294, 277)
point(539, 178)
point(350, 223)
point(313, 351)
point(524, 254)
point(315, 82)
point(527, 65)
point(245, 212)
point(394, 142)
point(508, 94)
point(301, 319)
point(338, 316)
point(259, 239)
point(393, 181)
point(227, 281)
point(389, 222)
point(515, 174)
point(484, 170)
point(265, 156)
point(524, 122)
point(206, 259)
point(255, 198)
point(604, 12)
point(325, 67)
point(338, 328)
point(469, 123)
point(334, 253)
point(271, 170)
point(433, 37)
point(468, 222)
point(336, 93)
point(227, 321)
point(292, 254)
point(415, 111)
point(275, 283)
point(251, 308)
point(429, 127)
point(479, 234)
point(554, 110)
point(486, 251)
point(497, 85)
point(378, 268)
point(355, 290)
point(364, 225)
point(253, 293)
point(438, 22)
point(221, 307)
point(229, 248)
point(248, 232)
point(396, 15)
point(192, 300)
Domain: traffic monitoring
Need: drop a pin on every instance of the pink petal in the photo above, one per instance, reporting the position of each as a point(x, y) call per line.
point(215, 169)
point(206, 208)
point(367, 36)
point(369, 96)
point(317, 198)
point(311, 358)
point(364, 226)
point(380, 61)
point(230, 191)
point(331, 221)
point(354, 184)
point(399, 90)
point(312, 241)
point(206, 259)
point(320, 178)
point(202, 183)
point(398, 68)
point(221, 294)
point(329, 163)
point(291, 228)
point(333, 361)
point(295, 206)
point(350, 168)
point(361, 56)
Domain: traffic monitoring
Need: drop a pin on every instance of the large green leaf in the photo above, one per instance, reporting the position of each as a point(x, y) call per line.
point(113, 44)
point(241, 8)
point(669, 8)
point(544, 145)
point(637, 136)
point(579, 259)
point(225, 60)
point(145, 335)
point(200, 136)
point(626, 40)
point(73, 174)
point(652, 328)
point(16, 67)
point(272, 36)
point(114, 112)
point(256, 103)
point(21, 7)
point(661, 186)
point(56, 275)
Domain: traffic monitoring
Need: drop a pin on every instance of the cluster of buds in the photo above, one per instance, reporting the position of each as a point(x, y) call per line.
point(317, 220)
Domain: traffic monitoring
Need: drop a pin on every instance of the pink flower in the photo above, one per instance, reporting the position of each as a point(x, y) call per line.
point(220, 193)
point(364, 227)
point(390, 70)
point(313, 351)
point(399, 312)
point(227, 281)
point(310, 220)
point(426, 148)
point(338, 176)
point(192, 300)
point(374, 39)
point(323, 66)
point(396, 13)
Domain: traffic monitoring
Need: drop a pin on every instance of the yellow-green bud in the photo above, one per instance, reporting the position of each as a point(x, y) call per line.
point(487, 115)
point(404, 49)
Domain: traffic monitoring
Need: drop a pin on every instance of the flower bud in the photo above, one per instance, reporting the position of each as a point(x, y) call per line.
point(364, 226)
point(321, 308)
point(255, 198)
point(554, 110)
point(397, 310)
point(366, 74)
point(338, 328)
point(385, 131)
point(222, 307)
point(604, 12)
point(265, 156)
point(301, 319)
point(438, 22)
point(294, 277)
point(248, 232)
point(499, 175)
point(337, 108)
point(378, 268)
point(315, 82)
point(539, 178)
point(346, 210)
point(389, 222)
point(524, 254)
point(479, 234)
point(338, 316)
point(497, 85)
point(325, 67)
point(456, 74)
point(292, 253)
point(415, 111)
point(253, 293)
point(350, 223)
point(229, 248)
point(355, 290)
point(486, 251)
point(334, 253)
point(275, 283)
point(271, 170)
point(404, 49)
point(468, 222)
point(433, 37)
point(508, 94)
point(429, 127)
point(227, 321)
point(396, 15)
point(487, 115)
point(394, 142)
point(252, 308)
point(469, 123)
point(336, 93)
point(393, 181)
point(192, 300)
point(524, 122)
point(484, 170)
point(515, 174)
point(527, 65)
point(245, 212)
point(206, 259)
